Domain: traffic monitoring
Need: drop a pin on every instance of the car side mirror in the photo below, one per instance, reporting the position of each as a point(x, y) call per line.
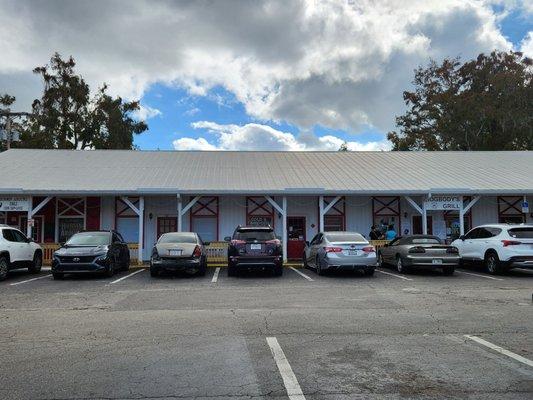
point(462, 237)
point(61, 244)
point(207, 243)
point(227, 239)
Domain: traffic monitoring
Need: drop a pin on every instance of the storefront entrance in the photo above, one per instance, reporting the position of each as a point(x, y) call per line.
point(296, 237)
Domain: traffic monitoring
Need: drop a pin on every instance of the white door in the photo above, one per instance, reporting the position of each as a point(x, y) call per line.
point(467, 248)
point(16, 245)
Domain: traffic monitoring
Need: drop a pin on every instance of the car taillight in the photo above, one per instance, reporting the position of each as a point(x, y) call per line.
point(197, 252)
point(369, 249)
point(417, 250)
point(274, 241)
point(510, 243)
point(453, 250)
point(333, 249)
point(236, 242)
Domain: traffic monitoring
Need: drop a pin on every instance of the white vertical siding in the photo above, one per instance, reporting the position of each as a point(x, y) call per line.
point(232, 212)
point(108, 212)
point(359, 214)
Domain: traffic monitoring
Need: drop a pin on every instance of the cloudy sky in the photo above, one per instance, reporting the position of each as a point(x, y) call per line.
point(243, 75)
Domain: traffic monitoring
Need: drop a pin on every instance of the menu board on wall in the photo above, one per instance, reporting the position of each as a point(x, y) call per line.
point(68, 227)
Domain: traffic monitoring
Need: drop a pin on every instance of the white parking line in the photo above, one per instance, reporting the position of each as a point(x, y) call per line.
point(294, 391)
point(215, 275)
point(500, 350)
point(391, 274)
point(29, 280)
point(481, 276)
point(302, 274)
point(127, 276)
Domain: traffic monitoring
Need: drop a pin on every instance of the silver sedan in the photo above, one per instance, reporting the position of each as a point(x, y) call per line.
point(330, 251)
point(419, 251)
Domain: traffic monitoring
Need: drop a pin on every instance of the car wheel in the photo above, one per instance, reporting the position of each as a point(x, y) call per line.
point(369, 271)
point(154, 272)
point(232, 271)
point(448, 270)
point(4, 268)
point(304, 261)
point(492, 263)
point(110, 270)
point(58, 276)
point(319, 269)
point(37, 263)
point(278, 271)
point(400, 267)
point(127, 264)
point(203, 269)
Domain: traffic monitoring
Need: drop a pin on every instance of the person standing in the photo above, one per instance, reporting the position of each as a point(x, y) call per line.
point(391, 233)
point(375, 233)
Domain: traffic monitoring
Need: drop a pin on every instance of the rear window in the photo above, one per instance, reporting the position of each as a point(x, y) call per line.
point(521, 233)
point(89, 239)
point(425, 241)
point(345, 237)
point(251, 235)
point(178, 238)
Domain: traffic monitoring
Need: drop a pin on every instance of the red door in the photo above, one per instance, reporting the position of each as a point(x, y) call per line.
point(166, 224)
point(296, 237)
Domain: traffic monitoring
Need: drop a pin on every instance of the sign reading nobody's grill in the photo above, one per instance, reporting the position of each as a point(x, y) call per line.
point(443, 202)
point(13, 204)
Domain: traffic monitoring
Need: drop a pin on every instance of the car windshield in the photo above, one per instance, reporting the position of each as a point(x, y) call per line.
point(178, 238)
point(521, 233)
point(251, 235)
point(345, 237)
point(425, 241)
point(89, 239)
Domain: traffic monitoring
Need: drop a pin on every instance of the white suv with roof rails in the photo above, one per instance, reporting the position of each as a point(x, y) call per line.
point(499, 246)
point(17, 251)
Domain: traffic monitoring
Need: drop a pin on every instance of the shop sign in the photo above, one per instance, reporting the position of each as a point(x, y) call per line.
point(443, 202)
point(13, 204)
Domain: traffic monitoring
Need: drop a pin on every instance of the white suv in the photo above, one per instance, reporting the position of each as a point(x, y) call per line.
point(500, 246)
point(17, 251)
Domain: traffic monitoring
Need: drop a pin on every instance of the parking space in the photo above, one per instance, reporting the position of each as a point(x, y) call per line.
point(299, 336)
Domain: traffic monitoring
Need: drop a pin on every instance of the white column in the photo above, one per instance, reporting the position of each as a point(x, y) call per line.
point(30, 216)
point(284, 236)
point(321, 213)
point(180, 213)
point(141, 230)
point(461, 217)
point(424, 219)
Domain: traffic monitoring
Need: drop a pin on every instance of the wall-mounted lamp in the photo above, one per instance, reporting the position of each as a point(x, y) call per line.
point(405, 215)
point(150, 215)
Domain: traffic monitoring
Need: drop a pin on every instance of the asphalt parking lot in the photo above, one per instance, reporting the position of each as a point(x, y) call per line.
point(301, 336)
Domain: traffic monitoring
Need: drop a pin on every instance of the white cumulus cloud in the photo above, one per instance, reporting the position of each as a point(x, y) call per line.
point(255, 136)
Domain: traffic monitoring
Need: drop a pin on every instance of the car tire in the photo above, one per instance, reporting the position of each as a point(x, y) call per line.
point(492, 263)
point(400, 267)
point(278, 271)
point(110, 270)
point(304, 261)
point(154, 273)
point(127, 264)
point(319, 269)
point(203, 269)
point(36, 264)
point(58, 276)
point(448, 271)
point(4, 268)
point(370, 271)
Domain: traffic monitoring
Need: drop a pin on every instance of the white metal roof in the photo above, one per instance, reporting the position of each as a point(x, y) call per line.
point(217, 172)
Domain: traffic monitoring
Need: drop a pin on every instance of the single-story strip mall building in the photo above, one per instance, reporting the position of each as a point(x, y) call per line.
point(51, 194)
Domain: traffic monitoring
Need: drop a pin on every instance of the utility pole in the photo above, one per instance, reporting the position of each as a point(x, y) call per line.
point(8, 115)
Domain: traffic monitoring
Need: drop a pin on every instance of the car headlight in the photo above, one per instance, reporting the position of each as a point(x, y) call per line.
point(155, 256)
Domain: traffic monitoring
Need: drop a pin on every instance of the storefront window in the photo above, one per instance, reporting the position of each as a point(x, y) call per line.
point(69, 226)
point(259, 220)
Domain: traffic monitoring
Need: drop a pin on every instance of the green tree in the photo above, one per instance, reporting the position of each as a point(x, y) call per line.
point(6, 101)
point(483, 104)
point(344, 147)
point(66, 117)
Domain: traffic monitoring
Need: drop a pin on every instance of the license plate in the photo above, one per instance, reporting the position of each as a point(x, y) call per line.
point(437, 261)
point(255, 247)
point(353, 253)
point(175, 252)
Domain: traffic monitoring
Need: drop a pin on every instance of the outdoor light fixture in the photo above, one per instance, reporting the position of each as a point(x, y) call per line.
point(150, 215)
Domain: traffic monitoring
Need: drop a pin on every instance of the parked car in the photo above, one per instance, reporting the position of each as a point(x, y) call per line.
point(18, 251)
point(179, 251)
point(413, 251)
point(330, 251)
point(499, 246)
point(254, 248)
point(91, 251)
